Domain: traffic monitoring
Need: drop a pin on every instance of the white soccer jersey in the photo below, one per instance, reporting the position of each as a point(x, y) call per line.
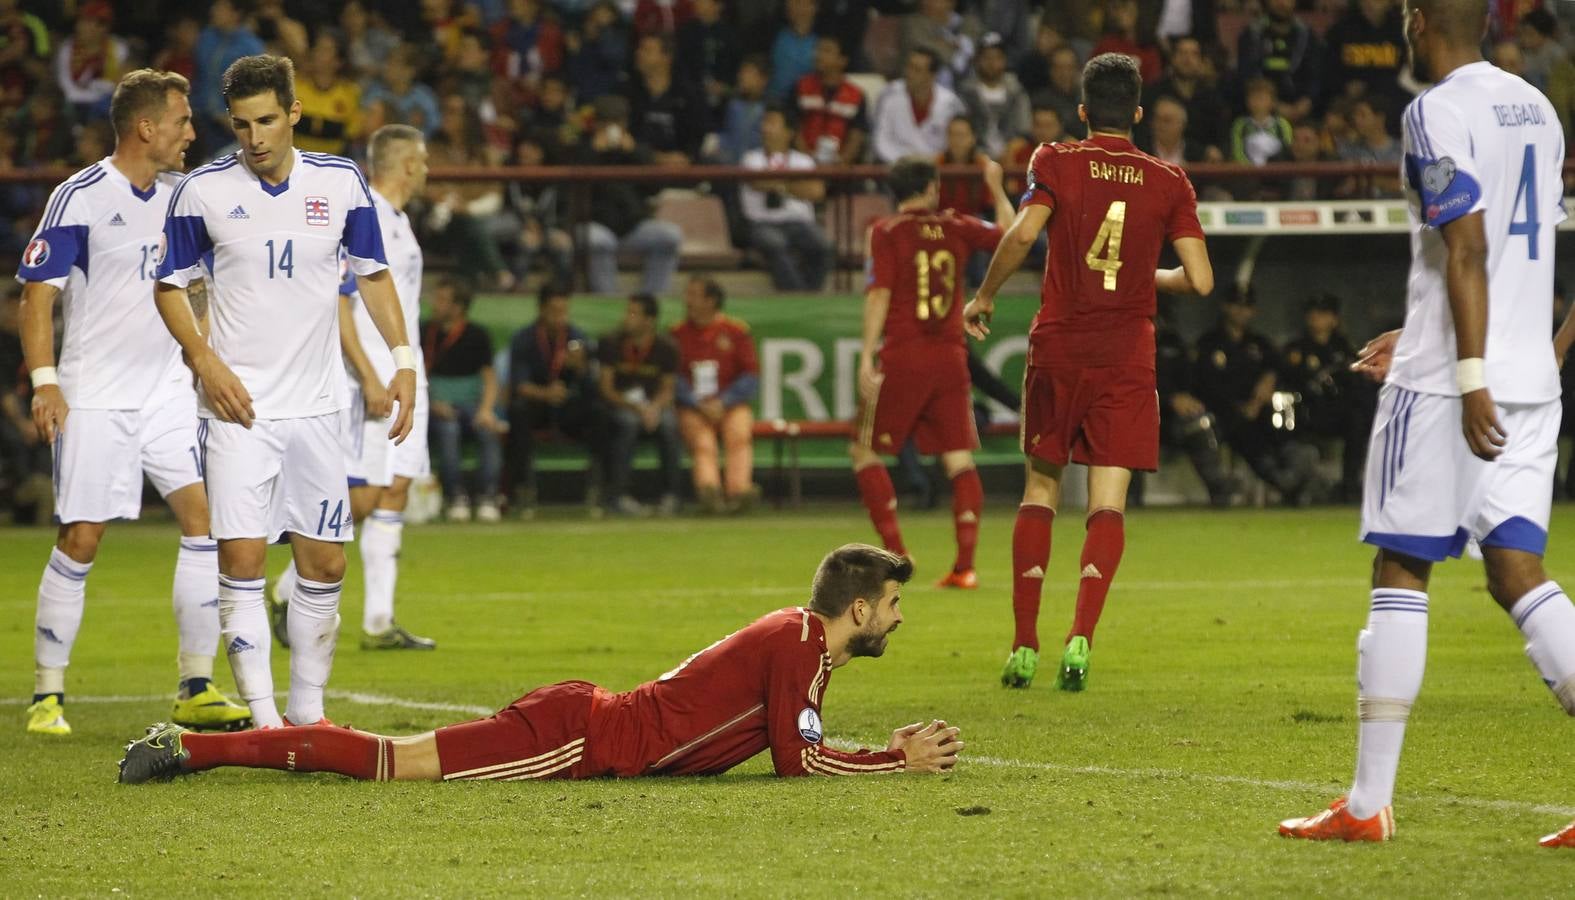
point(274, 291)
point(100, 241)
point(405, 263)
point(1482, 139)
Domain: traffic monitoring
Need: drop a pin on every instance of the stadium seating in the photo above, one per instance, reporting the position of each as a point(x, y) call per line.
point(703, 220)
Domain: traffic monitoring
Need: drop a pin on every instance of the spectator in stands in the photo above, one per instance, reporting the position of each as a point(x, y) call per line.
point(598, 54)
point(1009, 20)
point(1191, 81)
point(1540, 49)
point(708, 53)
point(940, 29)
point(410, 101)
point(443, 23)
point(663, 17)
point(223, 41)
point(330, 103)
point(913, 112)
point(1261, 136)
point(620, 215)
point(470, 77)
point(94, 141)
point(667, 116)
point(1374, 145)
point(1064, 91)
point(90, 62)
point(965, 195)
point(833, 126)
point(1122, 36)
point(741, 118)
point(367, 40)
point(997, 104)
point(845, 20)
point(552, 392)
point(555, 123)
point(280, 34)
point(1367, 53)
point(527, 45)
point(1507, 56)
point(781, 214)
point(535, 206)
point(1185, 423)
point(1336, 131)
point(1335, 403)
point(1281, 48)
point(1033, 70)
point(1077, 22)
point(464, 391)
point(1167, 133)
point(178, 51)
point(718, 376)
point(1178, 19)
point(793, 52)
point(1236, 377)
point(42, 128)
point(639, 368)
point(24, 52)
point(469, 216)
point(1306, 148)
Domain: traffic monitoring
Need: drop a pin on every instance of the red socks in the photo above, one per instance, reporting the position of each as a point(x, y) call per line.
point(967, 503)
point(1030, 555)
point(305, 748)
point(880, 498)
point(1101, 556)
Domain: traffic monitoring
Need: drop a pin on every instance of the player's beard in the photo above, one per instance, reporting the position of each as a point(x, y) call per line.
point(868, 643)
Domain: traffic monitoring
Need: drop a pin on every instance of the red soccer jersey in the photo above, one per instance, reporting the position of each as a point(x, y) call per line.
point(1113, 207)
point(724, 348)
point(920, 258)
point(756, 689)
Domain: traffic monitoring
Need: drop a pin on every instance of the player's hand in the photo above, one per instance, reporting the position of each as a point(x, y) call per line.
point(1561, 347)
point(49, 411)
point(931, 748)
point(401, 391)
point(993, 174)
point(228, 397)
point(488, 421)
point(976, 316)
point(1185, 405)
point(870, 380)
point(1376, 356)
point(376, 399)
point(1479, 421)
point(712, 409)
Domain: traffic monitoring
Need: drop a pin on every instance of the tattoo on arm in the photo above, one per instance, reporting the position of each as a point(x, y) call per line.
point(197, 295)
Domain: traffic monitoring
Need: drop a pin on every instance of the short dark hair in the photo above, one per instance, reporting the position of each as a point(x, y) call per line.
point(1259, 83)
point(253, 75)
point(647, 304)
point(1376, 103)
point(759, 61)
point(461, 289)
point(1112, 86)
point(910, 177)
point(144, 92)
point(1540, 21)
point(550, 291)
point(853, 571)
point(930, 56)
point(712, 290)
point(783, 110)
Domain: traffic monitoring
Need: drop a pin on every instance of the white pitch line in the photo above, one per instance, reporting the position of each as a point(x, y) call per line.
point(364, 699)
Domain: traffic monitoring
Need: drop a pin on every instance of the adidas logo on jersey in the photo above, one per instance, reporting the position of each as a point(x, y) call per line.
point(1092, 571)
point(239, 212)
point(117, 220)
point(240, 645)
point(1035, 572)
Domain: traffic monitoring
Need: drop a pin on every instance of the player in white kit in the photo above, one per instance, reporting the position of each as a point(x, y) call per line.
point(1466, 436)
point(380, 470)
point(272, 389)
point(119, 404)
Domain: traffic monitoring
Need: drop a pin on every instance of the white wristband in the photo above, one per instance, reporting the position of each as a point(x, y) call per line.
point(1469, 375)
point(404, 357)
point(44, 375)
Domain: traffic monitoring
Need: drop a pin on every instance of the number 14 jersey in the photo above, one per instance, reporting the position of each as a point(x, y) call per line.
point(1112, 209)
point(921, 257)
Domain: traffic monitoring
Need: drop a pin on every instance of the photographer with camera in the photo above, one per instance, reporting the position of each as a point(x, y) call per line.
point(781, 214)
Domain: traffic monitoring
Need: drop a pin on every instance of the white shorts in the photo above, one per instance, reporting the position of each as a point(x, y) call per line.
point(371, 458)
point(1426, 494)
point(280, 475)
point(102, 454)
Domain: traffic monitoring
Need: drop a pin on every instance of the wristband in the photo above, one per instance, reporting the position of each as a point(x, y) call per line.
point(44, 375)
point(1469, 375)
point(404, 357)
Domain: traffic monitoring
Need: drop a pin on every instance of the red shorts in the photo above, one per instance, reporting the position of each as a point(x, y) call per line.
point(540, 735)
point(1105, 416)
point(926, 395)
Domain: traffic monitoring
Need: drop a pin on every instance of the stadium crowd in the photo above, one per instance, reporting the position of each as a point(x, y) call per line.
point(797, 84)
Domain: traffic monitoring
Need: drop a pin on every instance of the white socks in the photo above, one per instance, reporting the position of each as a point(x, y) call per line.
point(314, 630)
point(284, 586)
point(60, 598)
point(243, 626)
point(196, 597)
point(1391, 656)
point(380, 540)
point(1547, 619)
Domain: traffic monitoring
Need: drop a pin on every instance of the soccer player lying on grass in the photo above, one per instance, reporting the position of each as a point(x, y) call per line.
point(759, 688)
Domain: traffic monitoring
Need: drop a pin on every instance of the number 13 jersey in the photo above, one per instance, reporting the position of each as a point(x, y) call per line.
point(921, 257)
point(1112, 209)
point(274, 285)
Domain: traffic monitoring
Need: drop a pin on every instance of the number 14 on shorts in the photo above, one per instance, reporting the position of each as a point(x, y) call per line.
point(336, 520)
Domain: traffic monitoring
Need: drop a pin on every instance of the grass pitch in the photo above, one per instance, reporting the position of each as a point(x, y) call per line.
point(1221, 700)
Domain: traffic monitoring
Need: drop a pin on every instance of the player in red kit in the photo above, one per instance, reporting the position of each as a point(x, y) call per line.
point(920, 389)
point(757, 689)
point(1089, 393)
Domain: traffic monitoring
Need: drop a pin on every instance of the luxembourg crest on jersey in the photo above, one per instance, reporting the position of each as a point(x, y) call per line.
point(36, 254)
point(317, 210)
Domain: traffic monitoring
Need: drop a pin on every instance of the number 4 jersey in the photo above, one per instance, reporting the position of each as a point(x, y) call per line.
point(274, 289)
point(1113, 207)
point(921, 257)
point(1482, 140)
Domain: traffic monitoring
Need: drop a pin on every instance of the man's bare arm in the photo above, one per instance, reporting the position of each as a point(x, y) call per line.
point(1195, 275)
point(37, 326)
point(382, 302)
point(1465, 273)
point(226, 395)
point(1008, 258)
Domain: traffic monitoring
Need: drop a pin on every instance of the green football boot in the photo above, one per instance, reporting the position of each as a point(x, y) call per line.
point(210, 710)
point(1020, 668)
point(48, 716)
point(1073, 675)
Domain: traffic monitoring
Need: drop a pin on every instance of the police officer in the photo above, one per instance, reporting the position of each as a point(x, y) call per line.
point(1184, 421)
point(1334, 401)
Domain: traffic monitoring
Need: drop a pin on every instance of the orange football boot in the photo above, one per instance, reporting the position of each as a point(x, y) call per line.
point(967, 580)
point(1337, 824)
point(323, 721)
point(1565, 838)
